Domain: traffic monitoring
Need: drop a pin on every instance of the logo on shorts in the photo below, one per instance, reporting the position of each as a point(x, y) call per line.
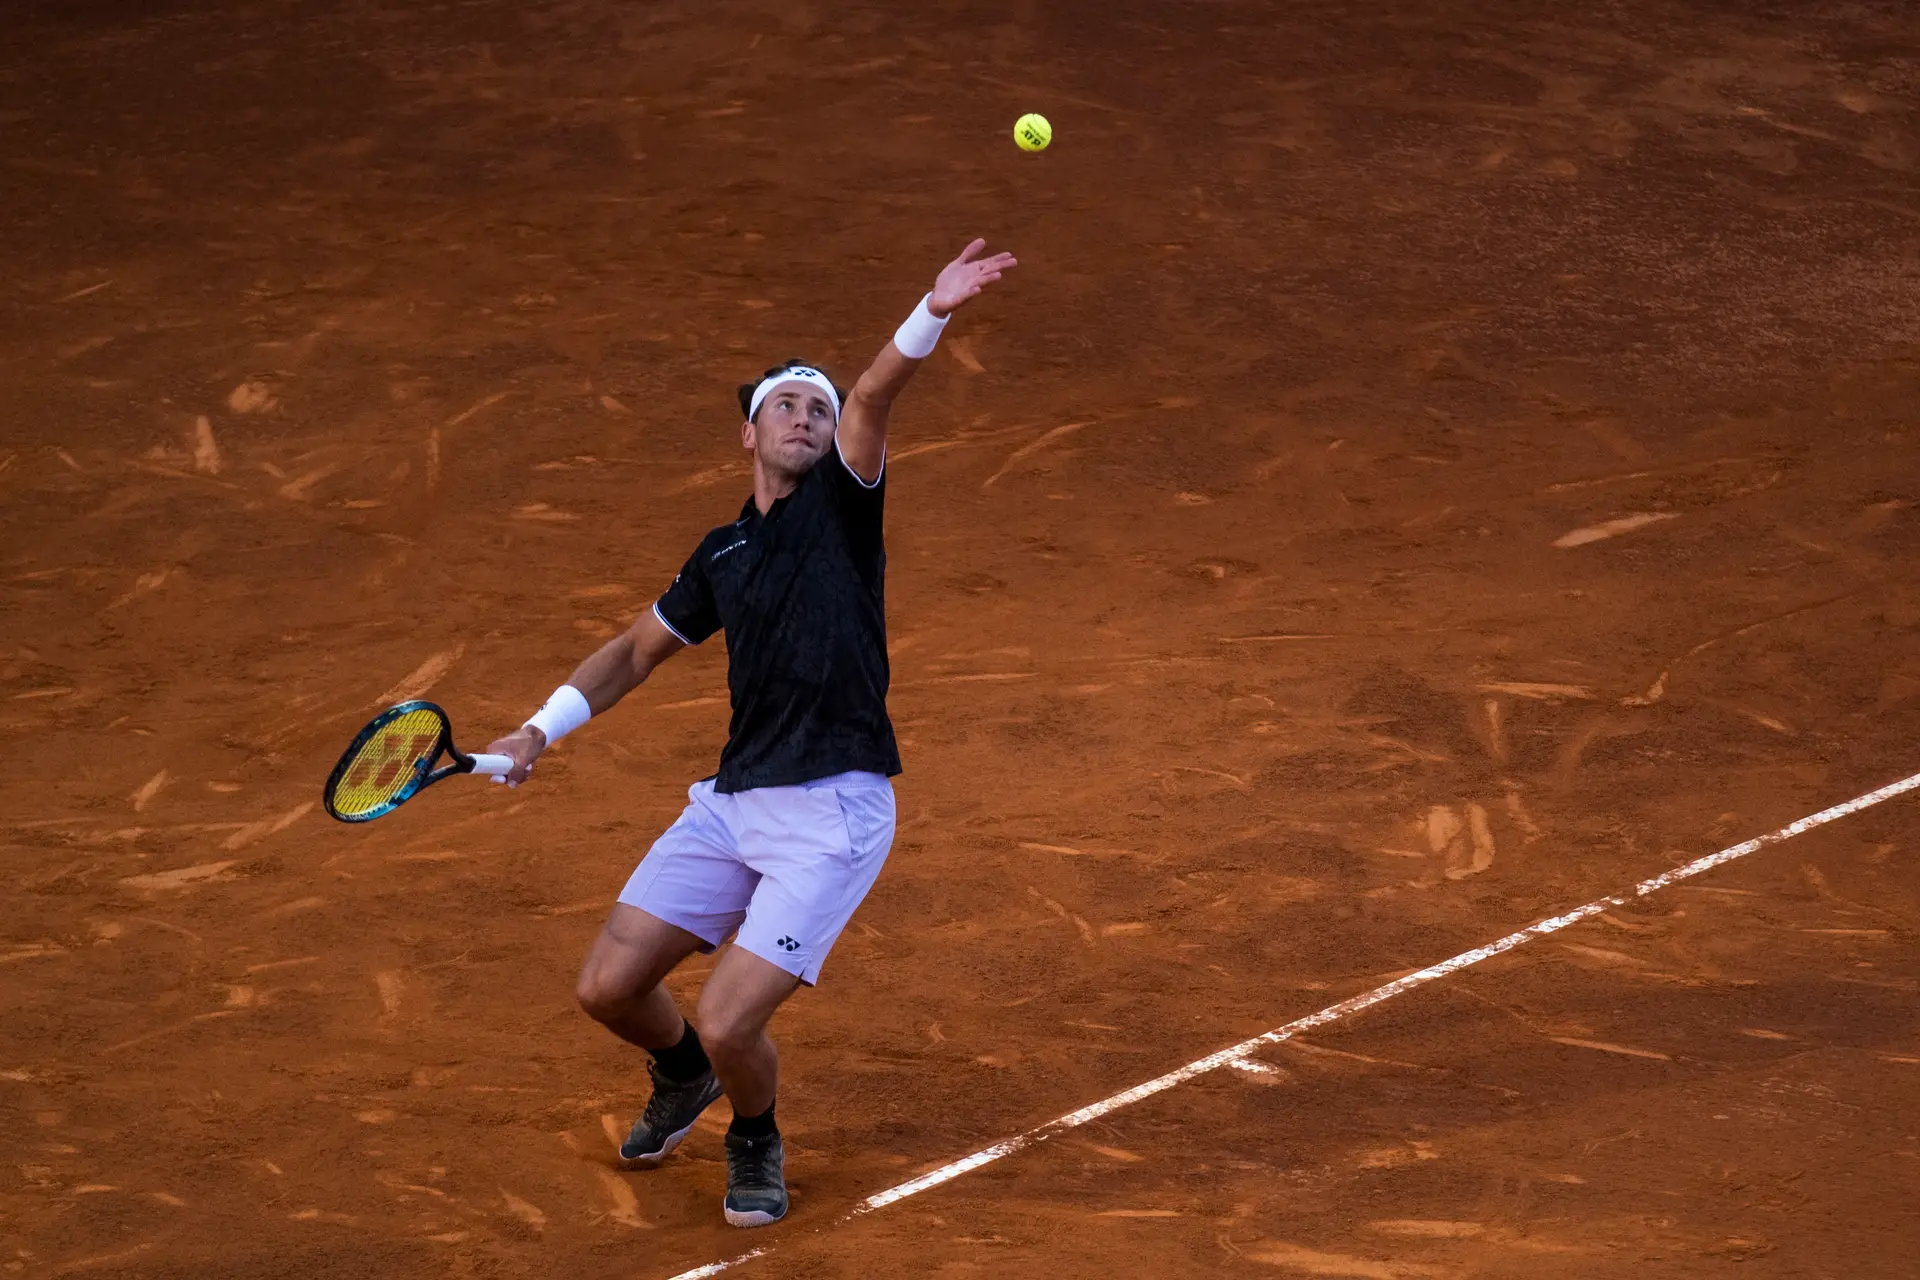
point(788, 943)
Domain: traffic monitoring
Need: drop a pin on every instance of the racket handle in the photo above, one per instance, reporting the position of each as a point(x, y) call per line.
point(492, 765)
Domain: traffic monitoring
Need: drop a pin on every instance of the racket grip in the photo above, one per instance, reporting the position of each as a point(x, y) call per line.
point(492, 765)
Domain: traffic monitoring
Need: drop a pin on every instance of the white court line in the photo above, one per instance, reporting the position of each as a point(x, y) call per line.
point(715, 1268)
point(1333, 1013)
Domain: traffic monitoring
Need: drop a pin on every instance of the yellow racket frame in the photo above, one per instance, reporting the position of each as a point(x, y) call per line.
point(391, 759)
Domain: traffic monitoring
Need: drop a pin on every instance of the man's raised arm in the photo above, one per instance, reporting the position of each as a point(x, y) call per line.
point(862, 433)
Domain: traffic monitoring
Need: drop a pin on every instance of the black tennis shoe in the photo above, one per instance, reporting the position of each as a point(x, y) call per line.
point(756, 1181)
point(668, 1118)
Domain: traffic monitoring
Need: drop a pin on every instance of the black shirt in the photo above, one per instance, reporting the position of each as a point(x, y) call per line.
point(799, 593)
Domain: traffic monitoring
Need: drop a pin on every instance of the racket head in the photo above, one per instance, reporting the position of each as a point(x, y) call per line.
point(387, 762)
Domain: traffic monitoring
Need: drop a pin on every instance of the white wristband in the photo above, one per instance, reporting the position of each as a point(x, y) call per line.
point(565, 710)
point(916, 338)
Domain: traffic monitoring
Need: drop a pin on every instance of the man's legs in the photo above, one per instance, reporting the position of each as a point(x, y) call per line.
point(786, 867)
point(621, 987)
point(736, 1003)
point(620, 983)
point(816, 848)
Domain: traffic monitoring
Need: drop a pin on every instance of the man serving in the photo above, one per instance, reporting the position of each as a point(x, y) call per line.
point(781, 845)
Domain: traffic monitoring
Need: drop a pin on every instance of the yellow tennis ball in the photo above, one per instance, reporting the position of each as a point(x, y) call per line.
point(1031, 132)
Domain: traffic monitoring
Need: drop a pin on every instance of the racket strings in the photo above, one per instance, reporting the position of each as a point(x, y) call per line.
point(388, 762)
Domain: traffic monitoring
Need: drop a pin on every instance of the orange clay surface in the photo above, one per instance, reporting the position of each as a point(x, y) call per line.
point(1434, 465)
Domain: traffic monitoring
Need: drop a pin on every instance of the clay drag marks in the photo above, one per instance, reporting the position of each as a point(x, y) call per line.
point(1465, 468)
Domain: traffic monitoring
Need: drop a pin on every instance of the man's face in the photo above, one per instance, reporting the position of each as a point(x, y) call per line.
point(793, 428)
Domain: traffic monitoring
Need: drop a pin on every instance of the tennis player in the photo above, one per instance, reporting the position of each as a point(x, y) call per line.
point(779, 847)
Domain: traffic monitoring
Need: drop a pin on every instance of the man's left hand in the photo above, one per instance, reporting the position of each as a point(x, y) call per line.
point(965, 277)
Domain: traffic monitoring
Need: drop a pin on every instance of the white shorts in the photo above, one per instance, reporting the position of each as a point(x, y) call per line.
point(786, 866)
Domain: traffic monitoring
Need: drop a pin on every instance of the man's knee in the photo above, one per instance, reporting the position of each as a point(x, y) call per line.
point(728, 1031)
point(632, 955)
point(604, 996)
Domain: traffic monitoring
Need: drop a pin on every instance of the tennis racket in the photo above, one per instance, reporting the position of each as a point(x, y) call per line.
point(392, 760)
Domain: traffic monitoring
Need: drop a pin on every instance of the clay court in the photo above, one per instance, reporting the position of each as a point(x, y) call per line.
point(1436, 465)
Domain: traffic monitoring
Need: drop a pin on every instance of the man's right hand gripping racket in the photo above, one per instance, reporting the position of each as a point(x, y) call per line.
point(392, 760)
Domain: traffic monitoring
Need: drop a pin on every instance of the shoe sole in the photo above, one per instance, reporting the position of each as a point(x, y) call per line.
point(751, 1217)
point(666, 1148)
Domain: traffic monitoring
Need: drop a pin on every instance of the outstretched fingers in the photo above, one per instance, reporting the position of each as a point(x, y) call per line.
point(962, 279)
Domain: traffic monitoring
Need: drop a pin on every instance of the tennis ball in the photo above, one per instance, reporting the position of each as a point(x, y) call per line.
point(1031, 132)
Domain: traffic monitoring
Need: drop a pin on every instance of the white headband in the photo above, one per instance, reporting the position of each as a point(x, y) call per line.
point(799, 373)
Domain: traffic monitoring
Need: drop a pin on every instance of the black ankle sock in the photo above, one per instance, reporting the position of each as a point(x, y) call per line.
point(684, 1061)
point(760, 1126)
